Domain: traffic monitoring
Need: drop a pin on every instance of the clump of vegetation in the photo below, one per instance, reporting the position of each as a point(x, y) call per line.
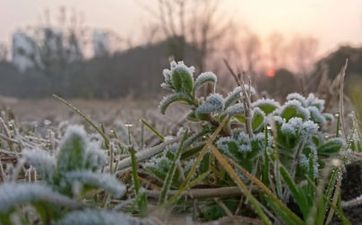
point(235, 155)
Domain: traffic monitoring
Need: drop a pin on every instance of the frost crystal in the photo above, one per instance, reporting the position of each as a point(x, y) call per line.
point(233, 97)
point(267, 105)
point(181, 65)
point(310, 127)
point(169, 99)
point(204, 78)
point(303, 161)
point(298, 97)
point(214, 103)
point(314, 101)
point(97, 217)
point(297, 106)
point(42, 162)
point(94, 158)
point(235, 109)
point(316, 115)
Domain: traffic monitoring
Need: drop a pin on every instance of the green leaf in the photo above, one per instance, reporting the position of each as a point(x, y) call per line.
point(258, 118)
point(266, 105)
point(294, 109)
point(176, 97)
point(331, 147)
point(214, 104)
point(72, 150)
point(233, 97)
point(297, 194)
point(13, 195)
point(92, 180)
point(182, 80)
point(207, 77)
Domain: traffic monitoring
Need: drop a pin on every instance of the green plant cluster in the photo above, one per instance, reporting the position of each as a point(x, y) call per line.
point(288, 147)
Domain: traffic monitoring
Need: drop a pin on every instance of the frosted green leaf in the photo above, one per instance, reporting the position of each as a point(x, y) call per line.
point(72, 149)
point(294, 108)
point(104, 181)
point(329, 117)
point(298, 97)
point(258, 119)
point(17, 194)
point(330, 147)
point(214, 104)
point(312, 100)
point(44, 164)
point(233, 97)
point(207, 77)
point(169, 99)
point(182, 77)
point(266, 105)
point(94, 158)
point(235, 109)
point(316, 115)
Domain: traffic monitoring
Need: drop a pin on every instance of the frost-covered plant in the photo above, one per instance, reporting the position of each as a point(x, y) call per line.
point(64, 177)
point(269, 139)
point(76, 166)
point(244, 149)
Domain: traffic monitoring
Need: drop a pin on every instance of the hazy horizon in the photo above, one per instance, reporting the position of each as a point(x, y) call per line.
point(332, 22)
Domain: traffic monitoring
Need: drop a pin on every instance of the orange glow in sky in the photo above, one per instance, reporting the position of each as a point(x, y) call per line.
point(270, 73)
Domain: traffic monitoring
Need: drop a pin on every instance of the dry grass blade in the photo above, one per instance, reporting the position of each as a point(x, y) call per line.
point(264, 189)
point(243, 187)
point(201, 155)
point(341, 98)
point(222, 192)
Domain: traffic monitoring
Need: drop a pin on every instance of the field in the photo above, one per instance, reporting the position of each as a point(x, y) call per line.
point(180, 159)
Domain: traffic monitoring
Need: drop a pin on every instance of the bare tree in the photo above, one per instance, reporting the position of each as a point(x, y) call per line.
point(198, 23)
point(303, 52)
point(276, 50)
point(244, 50)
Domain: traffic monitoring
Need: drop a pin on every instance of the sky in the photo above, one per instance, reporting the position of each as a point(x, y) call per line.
point(333, 22)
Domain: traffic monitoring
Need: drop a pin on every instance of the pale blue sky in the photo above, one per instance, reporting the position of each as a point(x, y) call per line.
point(333, 22)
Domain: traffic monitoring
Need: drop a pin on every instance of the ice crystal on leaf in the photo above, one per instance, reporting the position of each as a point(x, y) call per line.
point(213, 104)
point(312, 100)
point(44, 164)
point(97, 180)
point(207, 77)
point(298, 97)
point(267, 105)
point(16, 194)
point(236, 109)
point(179, 78)
point(96, 217)
point(169, 99)
point(233, 97)
point(294, 108)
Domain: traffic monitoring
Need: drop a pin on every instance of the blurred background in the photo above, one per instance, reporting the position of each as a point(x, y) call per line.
point(117, 49)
